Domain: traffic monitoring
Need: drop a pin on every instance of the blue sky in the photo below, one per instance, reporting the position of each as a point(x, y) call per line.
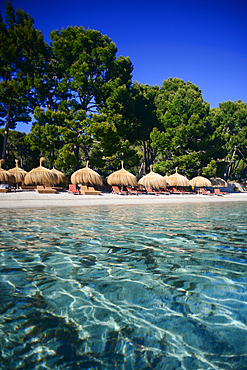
point(204, 42)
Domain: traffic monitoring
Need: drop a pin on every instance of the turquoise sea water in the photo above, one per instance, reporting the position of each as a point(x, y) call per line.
point(132, 287)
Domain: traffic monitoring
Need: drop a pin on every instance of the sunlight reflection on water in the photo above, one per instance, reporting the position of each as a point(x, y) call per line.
point(161, 287)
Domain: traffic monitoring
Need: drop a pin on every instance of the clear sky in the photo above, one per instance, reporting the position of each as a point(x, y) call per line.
point(201, 41)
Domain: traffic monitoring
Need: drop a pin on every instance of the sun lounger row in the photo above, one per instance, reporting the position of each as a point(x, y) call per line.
point(89, 190)
point(216, 192)
point(148, 190)
point(172, 190)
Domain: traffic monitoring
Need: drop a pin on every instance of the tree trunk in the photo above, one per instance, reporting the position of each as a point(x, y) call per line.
point(21, 159)
point(231, 163)
point(85, 151)
point(52, 157)
point(235, 167)
point(225, 172)
point(76, 151)
point(6, 132)
point(229, 171)
point(148, 156)
point(153, 154)
point(145, 156)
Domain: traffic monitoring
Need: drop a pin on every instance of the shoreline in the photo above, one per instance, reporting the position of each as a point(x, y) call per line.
point(32, 200)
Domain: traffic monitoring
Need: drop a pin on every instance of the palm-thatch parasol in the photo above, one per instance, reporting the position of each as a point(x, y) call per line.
point(18, 173)
point(153, 180)
point(61, 177)
point(178, 180)
point(5, 176)
point(200, 182)
point(122, 178)
point(217, 181)
point(40, 176)
point(167, 180)
point(86, 176)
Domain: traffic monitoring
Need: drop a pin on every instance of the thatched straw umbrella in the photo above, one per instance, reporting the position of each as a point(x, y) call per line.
point(178, 180)
point(217, 181)
point(5, 176)
point(167, 181)
point(122, 178)
point(40, 176)
point(86, 176)
point(61, 177)
point(18, 173)
point(153, 180)
point(200, 182)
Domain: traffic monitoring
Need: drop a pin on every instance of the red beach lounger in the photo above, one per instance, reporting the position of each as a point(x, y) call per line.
point(204, 192)
point(116, 190)
point(133, 191)
point(72, 189)
point(217, 192)
point(150, 191)
point(175, 191)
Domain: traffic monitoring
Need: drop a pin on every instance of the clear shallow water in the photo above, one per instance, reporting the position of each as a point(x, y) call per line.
point(143, 287)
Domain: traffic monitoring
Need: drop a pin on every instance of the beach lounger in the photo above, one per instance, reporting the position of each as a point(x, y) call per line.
point(3, 190)
point(89, 190)
point(133, 191)
point(167, 191)
point(218, 192)
point(116, 190)
point(94, 191)
point(150, 191)
point(72, 189)
point(175, 191)
point(183, 191)
point(28, 187)
point(140, 190)
point(204, 192)
point(59, 188)
point(45, 189)
point(163, 191)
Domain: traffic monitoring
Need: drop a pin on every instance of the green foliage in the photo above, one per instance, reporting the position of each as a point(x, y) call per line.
point(86, 107)
point(18, 148)
point(91, 69)
point(229, 143)
point(193, 137)
point(167, 167)
point(66, 159)
point(21, 51)
point(185, 131)
point(91, 83)
point(210, 170)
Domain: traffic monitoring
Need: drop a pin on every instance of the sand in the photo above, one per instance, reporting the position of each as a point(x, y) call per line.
point(31, 199)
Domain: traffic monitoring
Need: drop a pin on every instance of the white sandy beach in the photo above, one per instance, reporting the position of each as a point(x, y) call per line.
point(31, 199)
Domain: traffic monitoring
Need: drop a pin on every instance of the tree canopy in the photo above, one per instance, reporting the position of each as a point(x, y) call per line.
point(91, 77)
point(22, 49)
point(86, 106)
point(184, 132)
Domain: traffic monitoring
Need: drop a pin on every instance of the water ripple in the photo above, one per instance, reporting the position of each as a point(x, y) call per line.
point(124, 288)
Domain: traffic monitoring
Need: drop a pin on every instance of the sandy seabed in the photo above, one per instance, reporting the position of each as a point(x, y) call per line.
point(31, 199)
